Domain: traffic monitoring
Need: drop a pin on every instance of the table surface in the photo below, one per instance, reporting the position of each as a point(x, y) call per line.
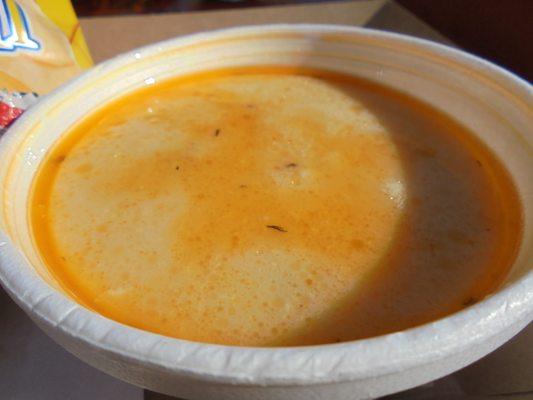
point(33, 367)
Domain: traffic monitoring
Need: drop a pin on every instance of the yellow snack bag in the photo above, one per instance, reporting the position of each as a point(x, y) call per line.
point(41, 46)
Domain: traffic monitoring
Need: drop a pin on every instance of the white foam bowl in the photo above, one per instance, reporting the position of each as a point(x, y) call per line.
point(494, 104)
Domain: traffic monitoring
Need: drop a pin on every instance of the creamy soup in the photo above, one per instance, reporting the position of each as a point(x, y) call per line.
point(273, 207)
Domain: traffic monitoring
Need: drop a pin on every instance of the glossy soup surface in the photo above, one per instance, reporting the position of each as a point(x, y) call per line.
point(273, 207)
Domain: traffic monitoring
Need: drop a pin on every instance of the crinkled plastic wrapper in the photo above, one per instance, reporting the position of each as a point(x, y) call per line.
point(41, 46)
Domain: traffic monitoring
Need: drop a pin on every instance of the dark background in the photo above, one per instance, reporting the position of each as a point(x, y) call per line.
point(498, 30)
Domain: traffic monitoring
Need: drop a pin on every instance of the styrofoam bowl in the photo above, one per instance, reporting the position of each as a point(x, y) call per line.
point(493, 103)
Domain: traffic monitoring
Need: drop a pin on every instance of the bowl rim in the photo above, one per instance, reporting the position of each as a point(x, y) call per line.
point(318, 364)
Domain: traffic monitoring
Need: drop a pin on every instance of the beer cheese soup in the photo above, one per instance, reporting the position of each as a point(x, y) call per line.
point(273, 207)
